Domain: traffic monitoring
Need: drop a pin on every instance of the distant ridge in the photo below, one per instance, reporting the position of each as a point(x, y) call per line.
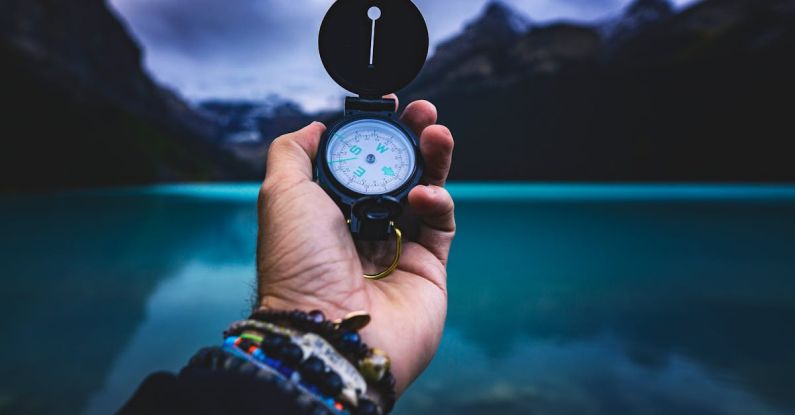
point(659, 95)
point(655, 94)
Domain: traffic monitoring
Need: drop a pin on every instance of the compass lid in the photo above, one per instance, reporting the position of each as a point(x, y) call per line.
point(368, 62)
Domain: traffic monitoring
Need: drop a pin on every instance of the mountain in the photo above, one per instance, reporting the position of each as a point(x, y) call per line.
point(248, 127)
point(477, 50)
point(655, 94)
point(80, 110)
point(638, 17)
point(702, 94)
point(244, 122)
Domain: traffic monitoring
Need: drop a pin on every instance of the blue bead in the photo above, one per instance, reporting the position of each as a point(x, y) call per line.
point(351, 337)
point(350, 341)
point(366, 407)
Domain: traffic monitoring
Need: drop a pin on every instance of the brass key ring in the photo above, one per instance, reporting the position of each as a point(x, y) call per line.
point(398, 250)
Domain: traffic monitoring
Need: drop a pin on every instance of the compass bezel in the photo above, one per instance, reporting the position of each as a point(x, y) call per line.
point(343, 194)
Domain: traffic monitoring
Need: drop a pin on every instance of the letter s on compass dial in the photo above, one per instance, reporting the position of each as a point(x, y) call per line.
point(371, 157)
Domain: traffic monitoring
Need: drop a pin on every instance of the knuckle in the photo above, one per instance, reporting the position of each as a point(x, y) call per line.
point(280, 144)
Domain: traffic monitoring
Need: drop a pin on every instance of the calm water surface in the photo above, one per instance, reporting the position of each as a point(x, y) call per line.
point(563, 299)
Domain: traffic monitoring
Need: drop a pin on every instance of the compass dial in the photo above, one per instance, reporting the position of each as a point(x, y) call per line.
point(371, 157)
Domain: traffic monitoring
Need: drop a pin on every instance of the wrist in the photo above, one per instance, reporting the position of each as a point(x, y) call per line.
point(275, 301)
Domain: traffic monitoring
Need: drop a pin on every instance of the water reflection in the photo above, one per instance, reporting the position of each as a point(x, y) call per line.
point(76, 275)
point(592, 376)
point(703, 289)
point(183, 315)
point(556, 308)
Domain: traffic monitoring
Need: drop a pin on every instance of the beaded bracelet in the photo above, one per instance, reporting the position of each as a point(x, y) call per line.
point(286, 358)
point(292, 346)
point(343, 335)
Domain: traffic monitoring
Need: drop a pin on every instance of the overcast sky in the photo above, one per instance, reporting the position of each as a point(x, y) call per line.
point(249, 49)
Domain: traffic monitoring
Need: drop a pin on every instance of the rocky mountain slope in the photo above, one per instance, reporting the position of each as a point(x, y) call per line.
point(81, 111)
point(703, 94)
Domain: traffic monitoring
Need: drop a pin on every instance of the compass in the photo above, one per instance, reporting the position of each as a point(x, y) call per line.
point(368, 161)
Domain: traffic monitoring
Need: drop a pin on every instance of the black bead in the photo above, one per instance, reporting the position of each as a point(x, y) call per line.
point(362, 351)
point(291, 354)
point(272, 343)
point(388, 380)
point(331, 384)
point(316, 316)
point(277, 340)
point(366, 407)
point(245, 344)
point(312, 369)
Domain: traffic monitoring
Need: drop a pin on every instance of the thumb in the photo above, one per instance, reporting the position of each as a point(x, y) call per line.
point(290, 156)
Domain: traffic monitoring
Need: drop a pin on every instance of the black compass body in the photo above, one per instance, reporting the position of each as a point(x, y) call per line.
point(368, 161)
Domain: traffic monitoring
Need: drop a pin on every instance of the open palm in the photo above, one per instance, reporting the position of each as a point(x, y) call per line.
point(307, 259)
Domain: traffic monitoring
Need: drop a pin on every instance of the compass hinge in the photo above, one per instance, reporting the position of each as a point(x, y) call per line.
point(369, 105)
point(372, 217)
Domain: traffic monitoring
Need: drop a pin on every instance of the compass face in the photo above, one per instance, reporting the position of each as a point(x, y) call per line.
point(371, 157)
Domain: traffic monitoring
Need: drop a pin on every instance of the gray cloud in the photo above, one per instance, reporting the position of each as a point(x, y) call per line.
point(210, 28)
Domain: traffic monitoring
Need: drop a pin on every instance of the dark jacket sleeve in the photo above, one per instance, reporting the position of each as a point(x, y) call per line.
point(216, 382)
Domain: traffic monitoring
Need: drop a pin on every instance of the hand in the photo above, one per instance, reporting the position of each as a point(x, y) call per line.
point(307, 259)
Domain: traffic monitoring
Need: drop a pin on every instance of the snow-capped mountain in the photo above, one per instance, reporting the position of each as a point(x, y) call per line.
point(250, 122)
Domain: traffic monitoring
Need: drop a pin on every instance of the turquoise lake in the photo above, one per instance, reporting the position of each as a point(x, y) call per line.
point(564, 299)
